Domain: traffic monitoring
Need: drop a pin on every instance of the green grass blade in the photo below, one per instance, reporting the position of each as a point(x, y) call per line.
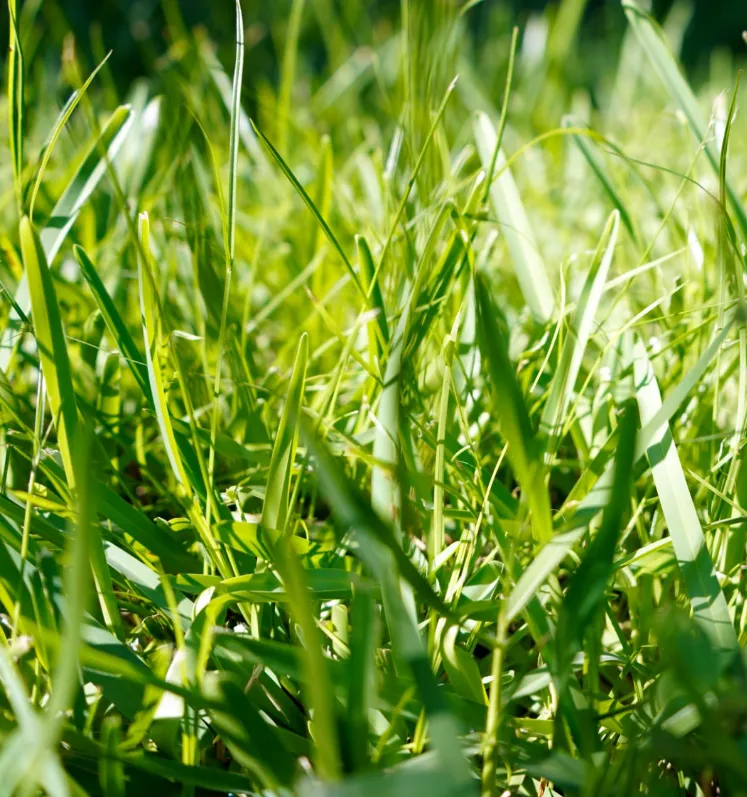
point(522, 243)
point(66, 113)
point(50, 338)
point(64, 213)
point(652, 41)
point(275, 507)
point(57, 372)
point(152, 324)
point(293, 180)
point(706, 598)
point(524, 449)
point(564, 379)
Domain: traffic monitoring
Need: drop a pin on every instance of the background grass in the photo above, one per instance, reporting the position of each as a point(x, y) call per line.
point(372, 426)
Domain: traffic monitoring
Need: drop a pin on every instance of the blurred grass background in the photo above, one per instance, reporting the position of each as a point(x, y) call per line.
point(140, 32)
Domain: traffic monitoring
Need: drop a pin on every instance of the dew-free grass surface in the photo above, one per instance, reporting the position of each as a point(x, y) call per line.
point(386, 442)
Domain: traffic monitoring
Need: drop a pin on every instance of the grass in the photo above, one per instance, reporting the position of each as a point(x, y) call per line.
point(387, 440)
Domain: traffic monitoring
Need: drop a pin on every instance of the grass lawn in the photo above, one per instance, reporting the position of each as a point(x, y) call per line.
point(378, 429)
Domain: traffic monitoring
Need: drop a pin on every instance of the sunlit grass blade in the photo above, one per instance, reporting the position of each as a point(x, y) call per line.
point(152, 325)
point(293, 180)
point(528, 264)
point(66, 113)
point(275, 508)
point(660, 55)
point(64, 213)
point(564, 379)
point(525, 451)
point(706, 598)
point(55, 363)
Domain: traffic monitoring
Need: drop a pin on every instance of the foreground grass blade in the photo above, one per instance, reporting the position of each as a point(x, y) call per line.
point(510, 214)
point(706, 598)
point(50, 339)
point(275, 508)
point(658, 52)
point(64, 213)
point(586, 593)
point(524, 452)
point(55, 365)
point(352, 513)
point(564, 379)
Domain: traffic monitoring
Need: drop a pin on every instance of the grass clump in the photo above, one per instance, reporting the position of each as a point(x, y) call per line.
point(389, 441)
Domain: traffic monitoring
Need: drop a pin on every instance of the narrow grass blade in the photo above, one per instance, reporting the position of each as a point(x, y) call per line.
point(16, 81)
point(115, 323)
point(653, 43)
point(288, 74)
point(528, 264)
point(524, 449)
point(275, 508)
point(64, 213)
point(706, 598)
point(352, 513)
point(150, 312)
point(564, 379)
point(593, 160)
point(67, 112)
point(293, 180)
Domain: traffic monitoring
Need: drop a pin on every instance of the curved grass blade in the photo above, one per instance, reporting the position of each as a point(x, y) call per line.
point(698, 573)
point(524, 450)
point(64, 213)
point(507, 205)
point(653, 43)
point(55, 365)
point(275, 508)
point(564, 379)
point(66, 113)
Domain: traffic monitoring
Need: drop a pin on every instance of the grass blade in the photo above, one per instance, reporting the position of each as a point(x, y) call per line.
point(706, 598)
point(564, 379)
point(524, 450)
point(275, 507)
point(509, 210)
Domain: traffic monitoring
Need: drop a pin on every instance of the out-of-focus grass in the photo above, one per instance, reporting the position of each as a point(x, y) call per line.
point(387, 442)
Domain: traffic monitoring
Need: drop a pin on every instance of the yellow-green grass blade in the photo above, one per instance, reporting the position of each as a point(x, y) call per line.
point(698, 574)
point(59, 126)
point(564, 379)
point(529, 266)
point(55, 364)
point(524, 449)
point(654, 45)
point(152, 325)
point(275, 507)
point(63, 215)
